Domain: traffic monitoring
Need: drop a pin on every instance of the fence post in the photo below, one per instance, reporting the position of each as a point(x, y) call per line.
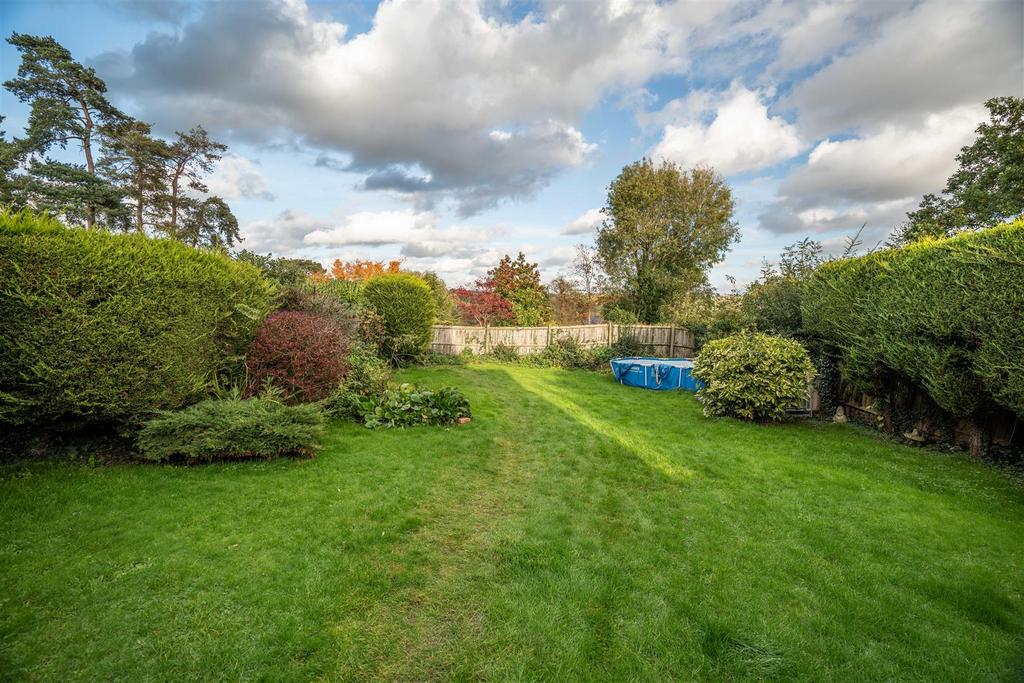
point(610, 340)
point(487, 333)
point(547, 343)
point(672, 341)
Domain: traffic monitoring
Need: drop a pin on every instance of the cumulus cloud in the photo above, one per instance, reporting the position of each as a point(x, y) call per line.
point(282, 234)
point(236, 177)
point(486, 106)
point(875, 178)
point(933, 57)
point(741, 136)
point(585, 223)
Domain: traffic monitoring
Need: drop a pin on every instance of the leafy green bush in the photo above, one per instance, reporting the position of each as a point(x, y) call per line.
point(406, 305)
point(261, 427)
point(105, 328)
point(367, 375)
point(628, 344)
point(753, 376)
point(945, 315)
point(407, 405)
point(562, 352)
point(504, 353)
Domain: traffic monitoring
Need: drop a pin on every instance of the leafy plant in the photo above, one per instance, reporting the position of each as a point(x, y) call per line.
point(407, 405)
point(753, 376)
point(302, 354)
point(260, 427)
point(503, 352)
point(628, 344)
point(367, 375)
point(105, 328)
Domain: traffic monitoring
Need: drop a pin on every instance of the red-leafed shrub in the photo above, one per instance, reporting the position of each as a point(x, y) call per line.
point(483, 305)
point(302, 354)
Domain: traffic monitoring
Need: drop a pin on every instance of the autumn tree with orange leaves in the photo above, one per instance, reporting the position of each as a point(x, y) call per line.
point(361, 269)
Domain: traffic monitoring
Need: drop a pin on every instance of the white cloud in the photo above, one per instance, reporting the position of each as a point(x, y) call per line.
point(486, 106)
point(875, 178)
point(282, 234)
point(236, 177)
point(585, 223)
point(936, 56)
point(892, 162)
point(742, 136)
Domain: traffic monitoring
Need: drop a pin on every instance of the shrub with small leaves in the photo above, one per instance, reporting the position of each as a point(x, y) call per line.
point(301, 354)
point(753, 376)
point(260, 427)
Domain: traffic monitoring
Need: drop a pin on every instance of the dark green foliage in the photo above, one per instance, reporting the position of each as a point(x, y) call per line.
point(988, 185)
point(628, 344)
point(406, 306)
point(261, 427)
point(945, 315)
point(619, 316)
point(506, 353)
point(753, 376)
point(68, 103)
point(446, 311)
point(287, 272)
point(408, 405)
point(110, 328)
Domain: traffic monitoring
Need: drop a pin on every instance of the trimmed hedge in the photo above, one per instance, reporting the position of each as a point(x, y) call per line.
point(406, 305)
point(753, 376)
point(105, 328)
point(260, 427)
point(948, 315)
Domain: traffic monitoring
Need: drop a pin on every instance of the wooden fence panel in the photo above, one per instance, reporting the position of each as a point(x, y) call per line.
point(666, 341)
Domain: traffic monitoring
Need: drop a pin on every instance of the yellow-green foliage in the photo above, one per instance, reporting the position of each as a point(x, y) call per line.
point(99, 327)
point(946, 314)
point(753, 376)
point(406, 305)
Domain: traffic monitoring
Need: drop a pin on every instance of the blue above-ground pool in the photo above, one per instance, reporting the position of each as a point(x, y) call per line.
point(656, 373)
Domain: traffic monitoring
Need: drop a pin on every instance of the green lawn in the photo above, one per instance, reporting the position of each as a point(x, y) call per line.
point(576, 530)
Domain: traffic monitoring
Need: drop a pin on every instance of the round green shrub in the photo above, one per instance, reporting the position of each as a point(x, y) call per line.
point(105, 328)
point(406, 306)
point(753, 376)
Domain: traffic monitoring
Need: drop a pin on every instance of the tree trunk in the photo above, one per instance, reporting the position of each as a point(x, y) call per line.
point(89, 165)
point(139, 201)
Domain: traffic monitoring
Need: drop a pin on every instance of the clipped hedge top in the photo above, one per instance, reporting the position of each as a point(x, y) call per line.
point(111, 327)
point(948, 314)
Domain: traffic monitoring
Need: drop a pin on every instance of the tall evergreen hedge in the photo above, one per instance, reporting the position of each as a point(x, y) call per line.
point(108, 328)
point(946, 314)
point(406, 305)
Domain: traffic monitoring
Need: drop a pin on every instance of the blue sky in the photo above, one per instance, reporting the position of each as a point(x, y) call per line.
point(447, 134)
